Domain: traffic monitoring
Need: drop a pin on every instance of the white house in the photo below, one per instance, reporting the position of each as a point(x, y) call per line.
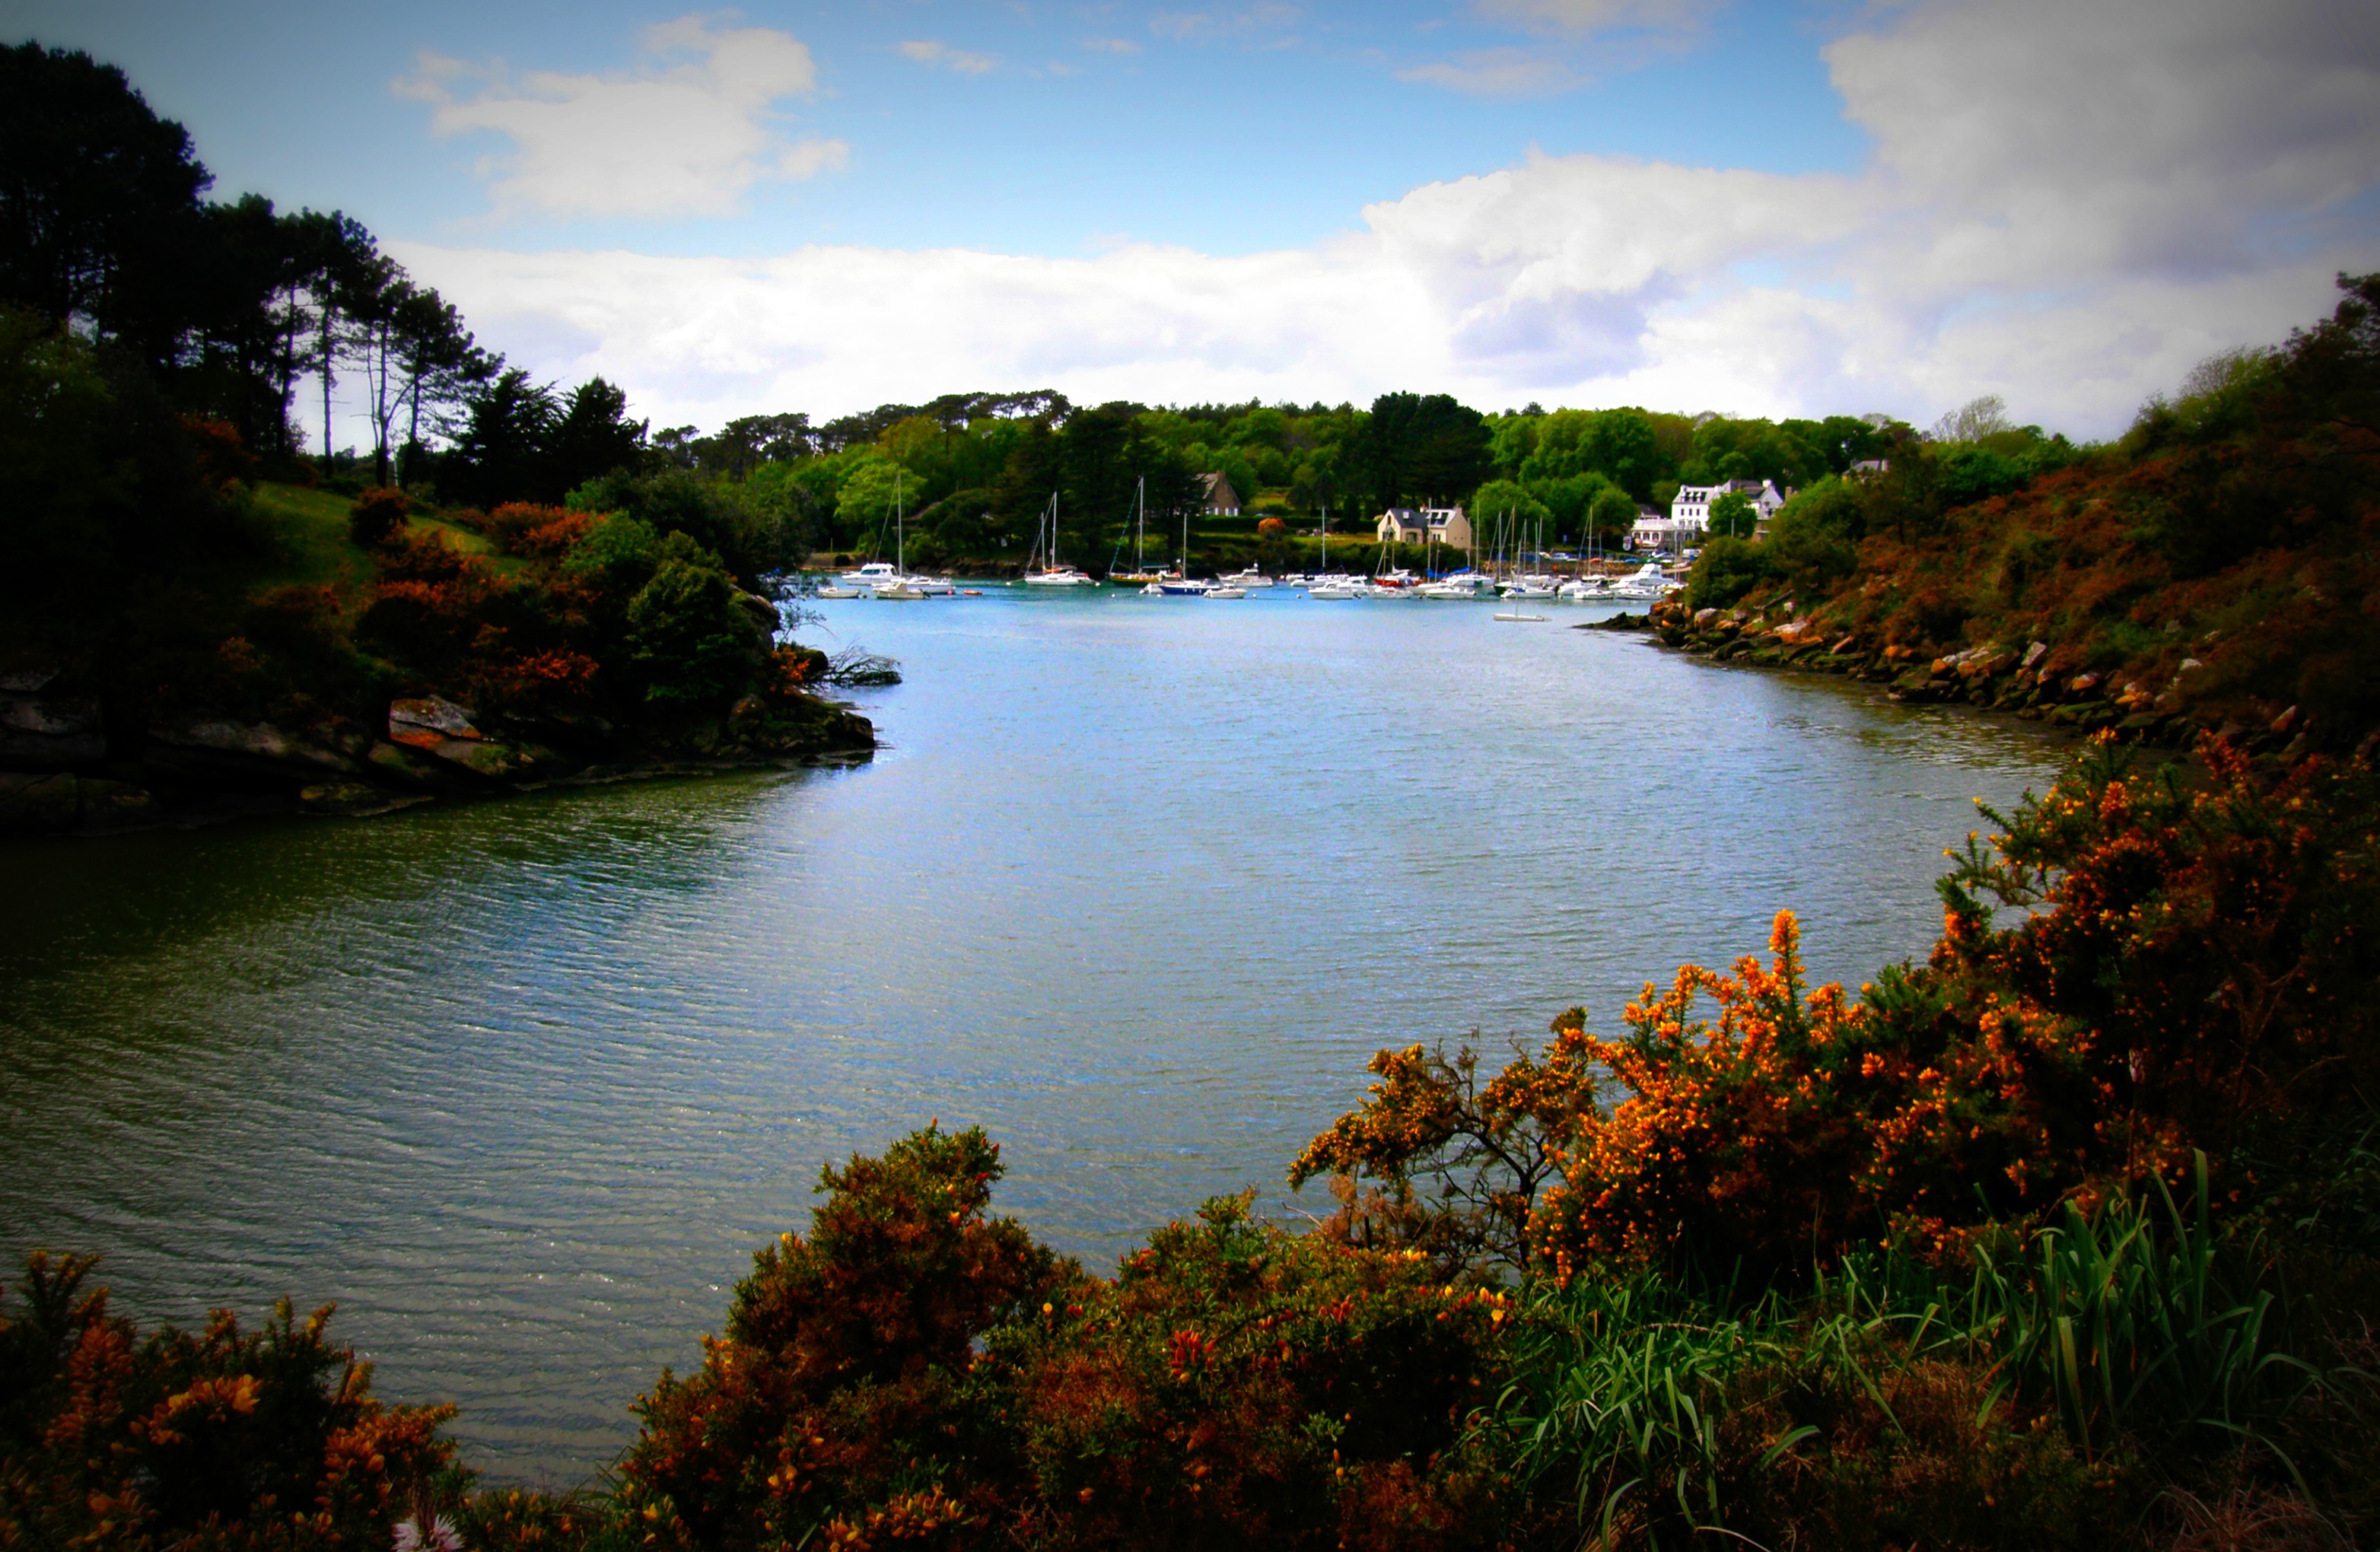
point(1692, 503)
point(1653, 531)
point(1220, 500)
point(1405, 524)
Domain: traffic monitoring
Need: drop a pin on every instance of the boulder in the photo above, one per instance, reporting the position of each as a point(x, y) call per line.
point(429, 722)
point(2284, 722)
point(2034, 653)
point(50, 735)
point(2084, 684)
point(34, 802)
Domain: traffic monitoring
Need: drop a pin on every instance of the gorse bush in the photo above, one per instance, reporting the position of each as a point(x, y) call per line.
point(217, 1438)
point(916, 1369)
point(2182, 967)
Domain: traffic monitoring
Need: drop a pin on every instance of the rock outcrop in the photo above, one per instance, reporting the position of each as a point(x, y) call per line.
point(63, 770)
point(2021, 676)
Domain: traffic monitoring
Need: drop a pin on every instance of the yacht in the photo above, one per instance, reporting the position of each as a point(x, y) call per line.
point(874, 575)
point(1053, 574)
point(1331, 589)
point(1250, 577)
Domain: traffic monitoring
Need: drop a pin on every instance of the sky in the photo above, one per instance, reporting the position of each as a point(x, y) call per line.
point(1840, 206)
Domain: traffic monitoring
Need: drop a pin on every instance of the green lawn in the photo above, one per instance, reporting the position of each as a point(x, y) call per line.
point(310, 532)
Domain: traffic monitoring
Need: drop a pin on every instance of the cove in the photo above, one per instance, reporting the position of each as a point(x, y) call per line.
point(1138, 885)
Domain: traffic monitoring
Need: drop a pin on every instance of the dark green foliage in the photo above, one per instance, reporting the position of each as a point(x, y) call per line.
point(716, 516)
point(1732, 515)
point(1729, 569)
point(688, 630)
point(377, 516)
point(98, 200)
point(1417, 448)
point(501, 452)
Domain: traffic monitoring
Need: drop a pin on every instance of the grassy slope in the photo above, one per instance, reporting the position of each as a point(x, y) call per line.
point(309, 530)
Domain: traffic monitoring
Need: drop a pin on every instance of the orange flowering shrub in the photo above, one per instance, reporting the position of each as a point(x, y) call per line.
point(914, 1372)
point(2195, 967)
point(218, 1438)
point(1482, 1150)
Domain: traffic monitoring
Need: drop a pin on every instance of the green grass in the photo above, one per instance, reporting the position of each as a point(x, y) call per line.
point(309, 528)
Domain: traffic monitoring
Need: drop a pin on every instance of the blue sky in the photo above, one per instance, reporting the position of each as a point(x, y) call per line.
point(1064, 127)
point(1742, 207)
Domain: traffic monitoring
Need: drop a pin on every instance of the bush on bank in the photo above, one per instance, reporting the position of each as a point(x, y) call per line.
point(2067, 1236)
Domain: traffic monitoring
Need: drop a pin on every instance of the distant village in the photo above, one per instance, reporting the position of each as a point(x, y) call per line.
point(1680, 528)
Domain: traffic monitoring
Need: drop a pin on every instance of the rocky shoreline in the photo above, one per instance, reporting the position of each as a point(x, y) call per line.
point(67, 767)
point(2014, 677)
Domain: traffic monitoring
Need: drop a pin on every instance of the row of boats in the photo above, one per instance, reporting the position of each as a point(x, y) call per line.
point(882, 579)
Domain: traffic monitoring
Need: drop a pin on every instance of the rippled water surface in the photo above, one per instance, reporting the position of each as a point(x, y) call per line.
point(1139, 886)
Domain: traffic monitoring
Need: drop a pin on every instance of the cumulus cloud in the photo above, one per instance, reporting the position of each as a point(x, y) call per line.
point(686, 134)
point(2067, 206)
point(926, 51)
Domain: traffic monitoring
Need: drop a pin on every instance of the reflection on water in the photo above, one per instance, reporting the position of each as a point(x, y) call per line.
point(1140, 887)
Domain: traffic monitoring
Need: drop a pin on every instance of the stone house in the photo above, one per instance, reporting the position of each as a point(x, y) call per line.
point(1220, 500)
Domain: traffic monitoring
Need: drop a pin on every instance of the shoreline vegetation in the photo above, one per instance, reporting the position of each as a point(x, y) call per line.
point(2066, 1236)
point(2217, 570)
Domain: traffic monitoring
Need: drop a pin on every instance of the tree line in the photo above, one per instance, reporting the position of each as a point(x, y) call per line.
point(257, 321)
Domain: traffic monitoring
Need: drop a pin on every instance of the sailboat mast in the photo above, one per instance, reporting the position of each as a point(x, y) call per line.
point(900, 548)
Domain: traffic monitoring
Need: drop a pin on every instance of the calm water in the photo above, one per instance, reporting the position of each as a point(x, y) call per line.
point(1139, 886)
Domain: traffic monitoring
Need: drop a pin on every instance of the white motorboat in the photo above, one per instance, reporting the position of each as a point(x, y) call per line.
point(1057, 577)
point(903, 588)
point(1334, 588)
point(1531, 587)
point(1225, 593)
point(1589, 590)
point(831, 591)
point(1520, 619)
point(1249, 578)
point(933, 586)
point(874, 575)
point(1461, 586)
point(1649, 585)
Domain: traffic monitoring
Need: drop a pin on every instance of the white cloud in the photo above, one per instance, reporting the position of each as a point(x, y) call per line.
point(2067, 206)
point(686, 134)
point(1111, 45)
point(926, 51)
